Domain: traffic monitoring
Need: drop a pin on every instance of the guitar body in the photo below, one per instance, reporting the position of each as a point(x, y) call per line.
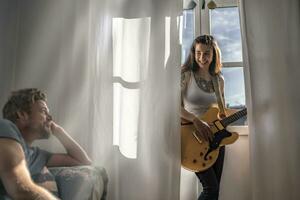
point(198, 155)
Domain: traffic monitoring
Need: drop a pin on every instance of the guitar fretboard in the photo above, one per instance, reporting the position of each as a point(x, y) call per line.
point(228, 120)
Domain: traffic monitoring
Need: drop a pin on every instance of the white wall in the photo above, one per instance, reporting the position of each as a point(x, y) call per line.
point(8, 40)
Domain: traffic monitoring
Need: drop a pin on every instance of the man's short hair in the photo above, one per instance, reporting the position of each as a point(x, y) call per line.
point(21, 100)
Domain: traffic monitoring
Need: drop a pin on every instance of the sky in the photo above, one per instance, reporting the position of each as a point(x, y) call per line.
point(225, 26)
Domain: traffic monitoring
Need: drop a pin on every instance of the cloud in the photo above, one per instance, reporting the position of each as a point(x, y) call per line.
point(225, 26)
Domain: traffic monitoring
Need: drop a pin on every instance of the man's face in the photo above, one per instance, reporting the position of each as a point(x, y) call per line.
point(39, 120)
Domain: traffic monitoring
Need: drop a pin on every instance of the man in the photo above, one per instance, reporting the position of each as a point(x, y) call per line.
point(23, 168)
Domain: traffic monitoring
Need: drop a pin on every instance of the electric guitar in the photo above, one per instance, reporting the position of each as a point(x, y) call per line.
point(198, 155)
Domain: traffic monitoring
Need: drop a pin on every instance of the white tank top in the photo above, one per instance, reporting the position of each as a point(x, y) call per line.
point(195, 100)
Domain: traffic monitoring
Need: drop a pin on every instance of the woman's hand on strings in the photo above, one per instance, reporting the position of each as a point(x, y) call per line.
point(203, 130)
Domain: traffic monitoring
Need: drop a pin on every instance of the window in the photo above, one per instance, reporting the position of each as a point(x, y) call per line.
point(131, 40)
point(225, 27)
point(187, 32)
point(223, 23)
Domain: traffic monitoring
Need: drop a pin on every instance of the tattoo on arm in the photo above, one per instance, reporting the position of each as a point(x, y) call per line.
point(183, 81)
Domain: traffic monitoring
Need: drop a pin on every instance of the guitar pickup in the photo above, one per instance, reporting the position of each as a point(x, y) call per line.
point(219, 125)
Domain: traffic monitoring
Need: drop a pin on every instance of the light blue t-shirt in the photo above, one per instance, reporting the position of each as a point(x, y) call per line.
point(36, 158)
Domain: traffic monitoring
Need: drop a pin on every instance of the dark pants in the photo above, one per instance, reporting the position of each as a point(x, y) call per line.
point(210, 178)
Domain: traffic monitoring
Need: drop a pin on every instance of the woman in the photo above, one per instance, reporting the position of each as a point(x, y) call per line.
point(197, 94)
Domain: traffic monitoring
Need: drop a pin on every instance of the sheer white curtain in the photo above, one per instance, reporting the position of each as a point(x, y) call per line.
point(111, 72)
point(137, 73)
point(271, 32)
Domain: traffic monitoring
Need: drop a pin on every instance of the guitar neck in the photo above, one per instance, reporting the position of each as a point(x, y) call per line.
point(232, 118)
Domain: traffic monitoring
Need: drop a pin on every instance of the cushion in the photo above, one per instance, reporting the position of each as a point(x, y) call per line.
point(81, 182)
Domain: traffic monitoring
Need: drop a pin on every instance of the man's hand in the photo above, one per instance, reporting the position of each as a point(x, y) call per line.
point(75, 153)
point(55, 128)
point(203, 130)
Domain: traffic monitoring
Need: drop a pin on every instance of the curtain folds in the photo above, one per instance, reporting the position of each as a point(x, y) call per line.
point(68, 48)
point(271, 32)
point(129, 65)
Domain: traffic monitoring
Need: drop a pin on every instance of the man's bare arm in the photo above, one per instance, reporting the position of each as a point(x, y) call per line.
point(15, 175)
point(75, 153)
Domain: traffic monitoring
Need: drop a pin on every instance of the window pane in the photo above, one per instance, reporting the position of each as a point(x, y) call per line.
point(234, 86)
point(187, 32)
point(235, 90)
point(225, 26)
point(131, 40)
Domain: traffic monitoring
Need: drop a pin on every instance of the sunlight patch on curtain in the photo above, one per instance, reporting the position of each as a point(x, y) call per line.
point(167, 39)
point(179, 21)
point(131, 43)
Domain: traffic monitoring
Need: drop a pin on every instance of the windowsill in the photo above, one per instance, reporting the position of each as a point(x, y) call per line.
point(241, 130)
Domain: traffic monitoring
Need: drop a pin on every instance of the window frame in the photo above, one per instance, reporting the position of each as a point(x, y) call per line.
point(202, 26)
